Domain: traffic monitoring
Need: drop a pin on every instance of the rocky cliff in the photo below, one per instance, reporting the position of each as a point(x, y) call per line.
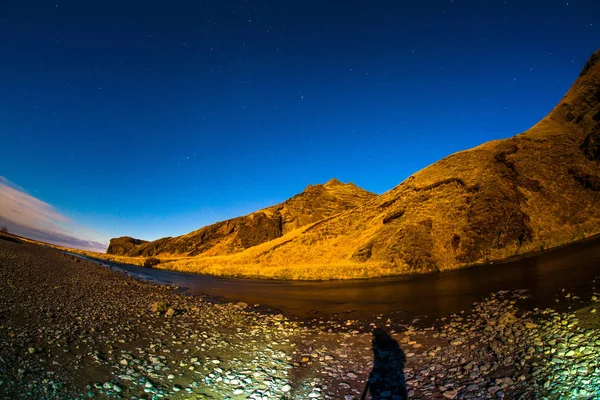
point(123, 245)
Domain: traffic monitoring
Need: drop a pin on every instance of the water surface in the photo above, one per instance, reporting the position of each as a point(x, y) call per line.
point(543, 275)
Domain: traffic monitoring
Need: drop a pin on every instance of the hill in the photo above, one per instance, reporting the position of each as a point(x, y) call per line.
point(315, 203)
point(536, 190)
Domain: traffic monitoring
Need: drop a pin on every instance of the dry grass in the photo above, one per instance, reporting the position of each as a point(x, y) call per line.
point(280, 259)
point(234, 268)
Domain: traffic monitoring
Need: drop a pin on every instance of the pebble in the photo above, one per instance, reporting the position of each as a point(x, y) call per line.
point(222, 350)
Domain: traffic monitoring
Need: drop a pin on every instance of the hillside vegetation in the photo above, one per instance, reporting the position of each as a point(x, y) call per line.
point(534, 191)
point(315, 203)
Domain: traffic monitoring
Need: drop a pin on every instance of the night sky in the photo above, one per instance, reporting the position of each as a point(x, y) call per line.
point(154, 118)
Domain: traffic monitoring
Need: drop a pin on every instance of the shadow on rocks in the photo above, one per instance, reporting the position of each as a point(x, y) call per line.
point(386, 380)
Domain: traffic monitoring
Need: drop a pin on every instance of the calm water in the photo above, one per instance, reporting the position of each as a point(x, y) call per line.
point(542, 275)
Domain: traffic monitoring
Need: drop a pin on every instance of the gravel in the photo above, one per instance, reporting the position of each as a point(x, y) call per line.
point(72, 329)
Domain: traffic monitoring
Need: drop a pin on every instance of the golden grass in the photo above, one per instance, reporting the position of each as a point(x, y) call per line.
point(284, 272)
point(282, 259)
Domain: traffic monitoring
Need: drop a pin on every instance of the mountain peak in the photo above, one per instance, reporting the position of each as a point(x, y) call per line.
point(315, 203)
point(579, 106)
point(594, 59)
point(333, 182)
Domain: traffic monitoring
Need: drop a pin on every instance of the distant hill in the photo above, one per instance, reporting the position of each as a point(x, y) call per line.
point(537, 190)
point(315, 203)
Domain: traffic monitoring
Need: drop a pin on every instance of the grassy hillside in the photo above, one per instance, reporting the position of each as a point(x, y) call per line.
point(234, 235)
point(536, 190)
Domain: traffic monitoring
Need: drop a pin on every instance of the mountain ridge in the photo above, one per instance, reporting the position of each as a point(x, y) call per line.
point(314, 203)
point(536, 190)
point(500, 192)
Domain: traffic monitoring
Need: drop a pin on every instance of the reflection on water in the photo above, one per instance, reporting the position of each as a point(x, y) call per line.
point(542, 275)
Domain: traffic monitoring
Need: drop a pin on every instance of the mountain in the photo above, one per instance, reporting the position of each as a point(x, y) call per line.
point(315, 203)
point(536, 190)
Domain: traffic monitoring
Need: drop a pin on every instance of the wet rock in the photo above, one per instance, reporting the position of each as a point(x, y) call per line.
point(151, 262)
point(159, 307)
point(241, 305)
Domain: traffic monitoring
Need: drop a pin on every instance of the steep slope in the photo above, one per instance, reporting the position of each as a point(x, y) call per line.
point(313, 204)
point(123, 245)
point(536, 190)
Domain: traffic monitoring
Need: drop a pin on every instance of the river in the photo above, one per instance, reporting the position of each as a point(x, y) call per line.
point(541, 276)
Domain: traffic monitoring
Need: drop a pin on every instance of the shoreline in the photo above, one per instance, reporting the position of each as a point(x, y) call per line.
point(259, 278)
point(70, 328)
point(515, 258)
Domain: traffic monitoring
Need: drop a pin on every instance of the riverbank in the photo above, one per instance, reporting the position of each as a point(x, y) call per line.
point(346, 271)
point(70, 328)
point(431, 296)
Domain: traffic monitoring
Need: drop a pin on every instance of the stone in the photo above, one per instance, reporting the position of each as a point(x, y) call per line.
point(450, 394)
point(159, 307)
point(151, 262)
point(507, 319)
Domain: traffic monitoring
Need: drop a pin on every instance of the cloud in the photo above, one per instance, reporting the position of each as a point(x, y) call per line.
point(25, 215)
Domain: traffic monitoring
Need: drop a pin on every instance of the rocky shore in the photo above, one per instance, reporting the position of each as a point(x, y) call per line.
point(71, 329)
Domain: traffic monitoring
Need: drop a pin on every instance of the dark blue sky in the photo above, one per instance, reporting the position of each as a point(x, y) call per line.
point(153, 118)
